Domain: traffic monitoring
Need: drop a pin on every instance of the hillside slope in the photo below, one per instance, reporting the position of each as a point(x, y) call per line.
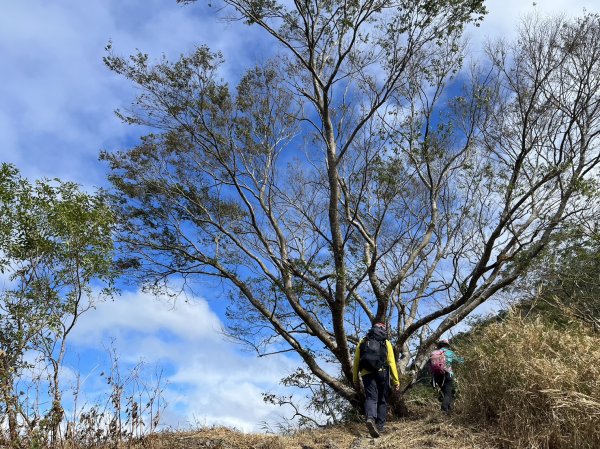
point(425, 431)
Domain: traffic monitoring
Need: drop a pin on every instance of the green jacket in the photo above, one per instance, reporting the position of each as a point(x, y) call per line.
point(451, 357)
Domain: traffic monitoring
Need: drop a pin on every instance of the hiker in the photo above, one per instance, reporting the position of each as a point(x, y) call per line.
point(374, 358)
point(440, 364)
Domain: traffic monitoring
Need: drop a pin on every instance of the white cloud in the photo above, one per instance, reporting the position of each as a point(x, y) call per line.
point(504, 16)
point(142, 313)
point(58, 97)
point(209, 379)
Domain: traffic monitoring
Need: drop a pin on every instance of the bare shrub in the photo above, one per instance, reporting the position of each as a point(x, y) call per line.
point(131, 410)
point(536, 385)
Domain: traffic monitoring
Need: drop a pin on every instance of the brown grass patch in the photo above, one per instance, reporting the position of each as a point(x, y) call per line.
point(533, 384)
point(425, 431)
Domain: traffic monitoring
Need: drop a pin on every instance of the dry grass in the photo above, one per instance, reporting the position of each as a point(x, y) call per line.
point(425, 431)
point(533, 385)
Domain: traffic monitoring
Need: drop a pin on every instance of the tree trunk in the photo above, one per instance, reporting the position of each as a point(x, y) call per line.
point(397, 405)
point(11, 411)
point(9, 401)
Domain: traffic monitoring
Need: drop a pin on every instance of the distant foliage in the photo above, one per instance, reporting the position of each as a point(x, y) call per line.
point(568, 276)
point(56, 255)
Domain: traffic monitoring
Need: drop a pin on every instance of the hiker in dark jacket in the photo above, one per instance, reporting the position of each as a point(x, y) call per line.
point(442, 375)
point(374, 361)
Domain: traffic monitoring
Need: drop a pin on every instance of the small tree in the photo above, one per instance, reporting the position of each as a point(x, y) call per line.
point(56, 247)
point(356, 179)
point(566, 278)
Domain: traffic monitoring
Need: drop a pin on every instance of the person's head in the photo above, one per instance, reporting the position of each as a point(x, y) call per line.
point(443, 343)
point(379, 328)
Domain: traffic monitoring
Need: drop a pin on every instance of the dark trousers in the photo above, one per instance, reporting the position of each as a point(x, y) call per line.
point(376, 391)
point(446, 384)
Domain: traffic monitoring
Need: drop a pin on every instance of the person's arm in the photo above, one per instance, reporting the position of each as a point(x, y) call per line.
point(392, 364)
point(356, 362)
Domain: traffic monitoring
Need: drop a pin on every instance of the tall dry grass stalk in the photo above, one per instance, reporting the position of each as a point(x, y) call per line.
point(534, 385)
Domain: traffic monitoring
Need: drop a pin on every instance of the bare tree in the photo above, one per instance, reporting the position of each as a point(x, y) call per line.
point(359, 178)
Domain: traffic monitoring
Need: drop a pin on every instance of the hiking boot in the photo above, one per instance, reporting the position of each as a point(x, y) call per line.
point(382, 430)
point(372, 428)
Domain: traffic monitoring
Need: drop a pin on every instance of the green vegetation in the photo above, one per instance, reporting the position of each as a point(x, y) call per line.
point(56, 250)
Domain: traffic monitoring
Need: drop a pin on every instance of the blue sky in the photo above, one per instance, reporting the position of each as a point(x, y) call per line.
point(56, 114)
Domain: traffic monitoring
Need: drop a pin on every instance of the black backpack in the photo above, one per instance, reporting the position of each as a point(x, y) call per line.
point(373, 350)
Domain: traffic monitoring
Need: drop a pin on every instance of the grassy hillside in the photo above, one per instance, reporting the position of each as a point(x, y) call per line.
point(528, 382)
point(425, 430)
point(533, 382)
